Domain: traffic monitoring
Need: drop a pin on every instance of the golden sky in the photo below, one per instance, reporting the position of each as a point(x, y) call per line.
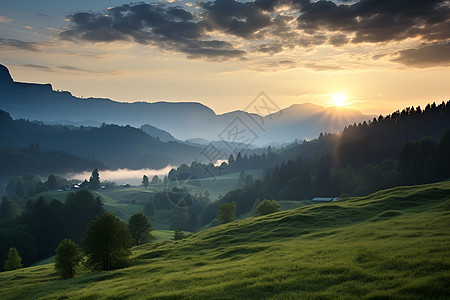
point(378, 55)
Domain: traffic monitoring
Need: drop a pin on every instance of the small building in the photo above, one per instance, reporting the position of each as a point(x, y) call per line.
point(325, 199)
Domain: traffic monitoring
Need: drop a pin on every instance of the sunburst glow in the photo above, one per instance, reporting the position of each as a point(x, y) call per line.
point(339, 99)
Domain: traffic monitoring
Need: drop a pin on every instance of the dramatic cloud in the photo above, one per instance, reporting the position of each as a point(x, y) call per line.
point(170, 28)
point(18, 44)
point(224, 29)
point(427, 56)
point(379, 20)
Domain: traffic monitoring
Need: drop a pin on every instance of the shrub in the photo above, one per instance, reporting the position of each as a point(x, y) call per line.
point(267, 207)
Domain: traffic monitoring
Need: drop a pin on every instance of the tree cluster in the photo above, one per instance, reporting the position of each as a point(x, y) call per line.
point(234, 165)
point(42, 225)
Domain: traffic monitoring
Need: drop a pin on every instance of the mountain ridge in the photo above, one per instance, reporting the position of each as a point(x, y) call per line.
point(183, 120)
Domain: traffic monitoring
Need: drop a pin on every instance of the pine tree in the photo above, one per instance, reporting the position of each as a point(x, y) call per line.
point(13, 260)
point(155, 179)
point(94, 180)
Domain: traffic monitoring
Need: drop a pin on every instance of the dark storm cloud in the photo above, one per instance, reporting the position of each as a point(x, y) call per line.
point(170, 28)
point(18, 44)
point(430, 55)
point(379, 20)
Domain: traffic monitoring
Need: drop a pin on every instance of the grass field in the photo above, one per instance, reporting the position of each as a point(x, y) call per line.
point(391, 244)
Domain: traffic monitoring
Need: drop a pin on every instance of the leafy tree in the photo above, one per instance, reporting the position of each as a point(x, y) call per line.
point(13, 260)
point(155, 179)
point(8, 209)
point(178, 235)
point(226, 212)
point(267, 207)
point(140, 228)
point(145, 181)
point(68, 257)
point(107, 243)
point(94, 180)
point(166, 180)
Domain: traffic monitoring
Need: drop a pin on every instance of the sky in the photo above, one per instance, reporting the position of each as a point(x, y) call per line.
point(376, 56)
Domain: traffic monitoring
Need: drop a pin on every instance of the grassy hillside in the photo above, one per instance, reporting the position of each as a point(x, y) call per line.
point(391, 244)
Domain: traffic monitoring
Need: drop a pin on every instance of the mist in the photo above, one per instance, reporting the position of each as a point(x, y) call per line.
point(122, 176)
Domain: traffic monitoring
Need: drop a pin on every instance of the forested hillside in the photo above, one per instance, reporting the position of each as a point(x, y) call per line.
point(116, 146)
point(408, 147)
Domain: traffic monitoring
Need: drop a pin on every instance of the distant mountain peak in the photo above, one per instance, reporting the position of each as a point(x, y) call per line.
point(5, 76)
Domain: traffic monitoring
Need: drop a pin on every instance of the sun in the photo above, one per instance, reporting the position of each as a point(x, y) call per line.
point(339, 99)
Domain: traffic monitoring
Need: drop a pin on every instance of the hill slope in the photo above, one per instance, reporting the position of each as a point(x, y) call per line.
point(393, 243)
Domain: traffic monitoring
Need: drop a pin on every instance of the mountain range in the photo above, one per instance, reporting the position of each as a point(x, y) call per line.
point(183, 120)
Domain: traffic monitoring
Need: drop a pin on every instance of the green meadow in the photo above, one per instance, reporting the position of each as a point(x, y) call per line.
point(392, 244)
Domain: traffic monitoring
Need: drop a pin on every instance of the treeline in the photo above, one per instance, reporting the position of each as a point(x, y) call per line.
point(41, 226)
point(234, 165)
point(420, 161)
point(378, 139)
